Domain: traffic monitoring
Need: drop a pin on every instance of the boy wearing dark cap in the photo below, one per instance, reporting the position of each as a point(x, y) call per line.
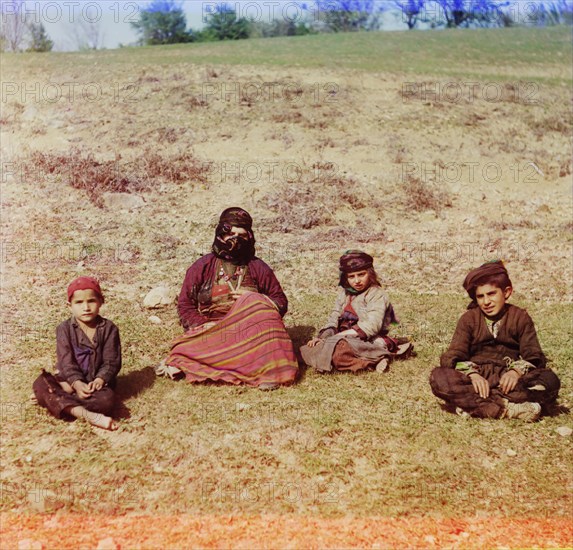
point(494, 367)
point(88, 353)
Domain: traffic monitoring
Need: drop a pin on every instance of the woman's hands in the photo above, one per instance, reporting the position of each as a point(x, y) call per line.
point(315, 341)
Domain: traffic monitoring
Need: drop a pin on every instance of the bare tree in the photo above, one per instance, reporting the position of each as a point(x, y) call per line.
point(14, 25)
point(412, 11)
point(93, 34)
point(86, 35)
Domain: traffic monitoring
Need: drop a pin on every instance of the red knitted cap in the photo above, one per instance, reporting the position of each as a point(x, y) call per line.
point(84, 283)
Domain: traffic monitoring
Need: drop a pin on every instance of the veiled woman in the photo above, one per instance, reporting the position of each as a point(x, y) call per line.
point(231, 306)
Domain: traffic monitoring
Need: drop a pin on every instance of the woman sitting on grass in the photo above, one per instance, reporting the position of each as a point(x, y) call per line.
point(231, 306)
point(356, 334)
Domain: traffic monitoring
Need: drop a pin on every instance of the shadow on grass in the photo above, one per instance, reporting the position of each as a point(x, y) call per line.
point(131, 385)
point(554, 409)
point(300, 335)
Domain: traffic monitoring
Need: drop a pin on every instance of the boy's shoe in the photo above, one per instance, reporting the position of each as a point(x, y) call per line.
point(462, 413)
point(528, 411)
point(382, 365)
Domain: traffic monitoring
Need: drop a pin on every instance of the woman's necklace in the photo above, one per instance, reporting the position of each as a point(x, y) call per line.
point(238, 275)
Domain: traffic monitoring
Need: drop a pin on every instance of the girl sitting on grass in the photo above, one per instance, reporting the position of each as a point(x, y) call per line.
point(356, 334)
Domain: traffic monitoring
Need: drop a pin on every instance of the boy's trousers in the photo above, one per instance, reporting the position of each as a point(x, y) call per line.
point(53, 397)
point(456, 389)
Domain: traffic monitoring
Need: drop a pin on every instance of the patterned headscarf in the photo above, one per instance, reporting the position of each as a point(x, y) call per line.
point(239, 250)
point(355, 260)
point(237, 217)
point(351, 261)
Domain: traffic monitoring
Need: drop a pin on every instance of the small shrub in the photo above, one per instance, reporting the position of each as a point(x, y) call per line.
point(82, 171)
point(176, 169)
point(315, 197)
point(290, 118)
point(421, 196)
point(85, 173)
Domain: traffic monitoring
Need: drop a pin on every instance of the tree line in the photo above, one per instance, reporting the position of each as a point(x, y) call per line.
point(164, 21)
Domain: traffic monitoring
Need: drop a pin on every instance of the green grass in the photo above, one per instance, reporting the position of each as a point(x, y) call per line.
point(540, 54)
point(331, 445)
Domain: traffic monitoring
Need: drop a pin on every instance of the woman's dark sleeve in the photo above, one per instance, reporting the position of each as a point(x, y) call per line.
point(268, 284)
point(66, 364)
point(187, 304)
point(111, 355)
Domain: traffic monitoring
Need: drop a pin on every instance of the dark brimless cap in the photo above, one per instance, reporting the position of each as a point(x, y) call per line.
point(355, 260)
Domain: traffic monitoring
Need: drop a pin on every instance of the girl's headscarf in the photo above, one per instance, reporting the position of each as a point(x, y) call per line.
point(351, 261)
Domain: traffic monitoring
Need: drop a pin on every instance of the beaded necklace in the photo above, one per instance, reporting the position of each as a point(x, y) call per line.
point(238, 275)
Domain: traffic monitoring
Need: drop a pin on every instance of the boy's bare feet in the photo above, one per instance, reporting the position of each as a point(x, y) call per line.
point(95, 419)
point(382, 365)
point(102, 421)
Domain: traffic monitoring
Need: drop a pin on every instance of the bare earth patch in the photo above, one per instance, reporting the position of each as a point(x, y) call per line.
point(245, 532)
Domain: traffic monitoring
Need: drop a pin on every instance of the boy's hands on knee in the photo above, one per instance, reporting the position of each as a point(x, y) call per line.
point(313, 342)
point(96, 384)
point(480, 384)
point(82, 389)
point(508, 380)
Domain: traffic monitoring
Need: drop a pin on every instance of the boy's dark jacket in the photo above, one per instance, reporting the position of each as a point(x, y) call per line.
point(80, 359)
point(472, 341)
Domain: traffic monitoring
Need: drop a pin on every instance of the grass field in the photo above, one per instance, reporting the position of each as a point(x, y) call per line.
point(367, 460)
point(485, 54)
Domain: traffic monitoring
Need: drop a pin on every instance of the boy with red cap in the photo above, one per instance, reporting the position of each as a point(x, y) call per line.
point(494, 367)
point(88, 360)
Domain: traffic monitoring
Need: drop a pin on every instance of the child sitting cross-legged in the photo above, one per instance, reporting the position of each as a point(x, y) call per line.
point(494, 367)
point(356, 335)
point(88, 360)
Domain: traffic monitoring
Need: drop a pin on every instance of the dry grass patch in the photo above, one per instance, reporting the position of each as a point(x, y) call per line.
point(81, 170)
point(315, 197)
point(421, 196)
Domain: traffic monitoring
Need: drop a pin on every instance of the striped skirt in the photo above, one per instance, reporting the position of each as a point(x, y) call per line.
point(250, 345)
